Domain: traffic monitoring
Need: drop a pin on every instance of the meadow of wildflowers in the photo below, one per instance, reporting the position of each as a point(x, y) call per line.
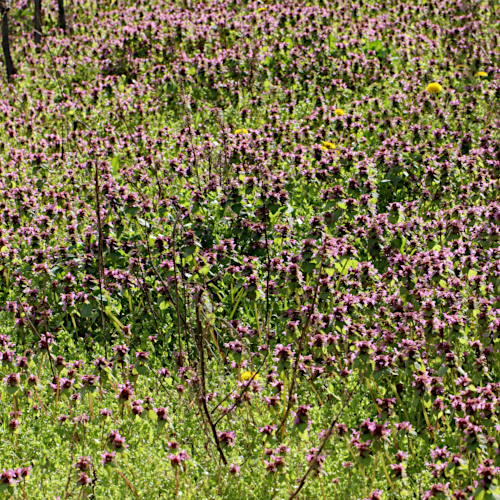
point(250, 250)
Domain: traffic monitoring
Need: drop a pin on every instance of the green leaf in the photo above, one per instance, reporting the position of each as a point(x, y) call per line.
point(443, 370)
point(479, 493)
point(115, 164)
point(86, 310)
point(132, 210)
point(164, 305)
point(344, 265)
point(490, 495)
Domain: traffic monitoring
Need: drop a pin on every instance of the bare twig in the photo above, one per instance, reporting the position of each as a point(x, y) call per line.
point(268, 271)
point(240, 396)
point(9, 65)
point(202, 376)
point(314, 461)
point(177, 309)
point(100, 258)
point(301, 348)
point(188, 120)
point(38, 21)
point(62, 14)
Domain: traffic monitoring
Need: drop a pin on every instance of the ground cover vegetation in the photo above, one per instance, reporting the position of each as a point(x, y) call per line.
point(250, 250)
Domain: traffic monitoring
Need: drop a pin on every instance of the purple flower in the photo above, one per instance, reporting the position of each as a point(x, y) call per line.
point(437, 490)
point(177, 460)
point(227, 438)
point(8, 477)
point(398, 470)
point(23, 472)
point(105, 413)
point(137, 408)
point(276, 464)
point(14, 425)
point(161, 413)
point(12, 380)
point(116, 442)
point(440, 454)
point(375, 495)
point(234, 470)
point(125, 392)
point(317, 459)
point(81, 419)
point(268, 430)
point(108, 458)
point(83, 479)
point(487, 472)
point(84, 464)
point(121, 351)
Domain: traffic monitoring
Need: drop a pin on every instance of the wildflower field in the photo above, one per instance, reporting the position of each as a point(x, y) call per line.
point(250, 250)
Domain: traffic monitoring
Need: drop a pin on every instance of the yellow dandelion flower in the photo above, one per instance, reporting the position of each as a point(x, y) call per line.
point(339, 112)
point(262, 9)
point(482, 74)
point(461, 66)
point(328, 146)
point(249, 375)
point(241, 131)
point(434, 88)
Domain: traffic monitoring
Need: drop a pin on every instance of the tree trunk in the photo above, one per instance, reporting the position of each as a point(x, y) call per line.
point(38, 21)
point(62, 15)
point(9, 65)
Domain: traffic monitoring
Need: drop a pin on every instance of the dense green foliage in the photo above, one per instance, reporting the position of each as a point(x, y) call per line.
point(251, 251)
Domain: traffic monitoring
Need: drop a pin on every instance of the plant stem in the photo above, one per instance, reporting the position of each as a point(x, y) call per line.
point(100, 258)
point(38, 21)
point(386, 473)
point(374, 470)
point(9, 65)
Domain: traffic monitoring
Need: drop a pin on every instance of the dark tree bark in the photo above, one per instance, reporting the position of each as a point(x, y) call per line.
point(9, 65)
point(62, 15)
point(38, 21)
